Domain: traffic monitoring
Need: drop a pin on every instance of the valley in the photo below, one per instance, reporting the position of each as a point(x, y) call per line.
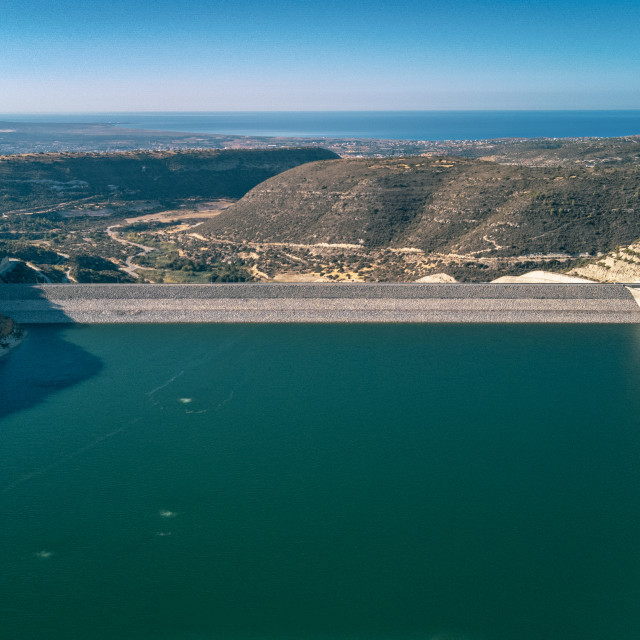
point(306, 215)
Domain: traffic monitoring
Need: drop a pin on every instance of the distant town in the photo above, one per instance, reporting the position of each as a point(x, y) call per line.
point(25, 138)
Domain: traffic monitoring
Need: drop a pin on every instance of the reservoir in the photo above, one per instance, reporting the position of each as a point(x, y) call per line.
point(321, 482)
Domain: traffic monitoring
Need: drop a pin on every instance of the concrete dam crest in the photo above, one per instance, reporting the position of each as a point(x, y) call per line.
point(321, 303)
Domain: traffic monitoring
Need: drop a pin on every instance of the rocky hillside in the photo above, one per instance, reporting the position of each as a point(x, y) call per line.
point(6, 326)
point(11, 334)
point(441, 205)
point(34, 181)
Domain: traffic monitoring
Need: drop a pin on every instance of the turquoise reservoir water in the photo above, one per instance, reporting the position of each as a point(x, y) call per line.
point(321, 482)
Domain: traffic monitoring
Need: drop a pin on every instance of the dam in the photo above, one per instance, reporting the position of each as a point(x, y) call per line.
point(318, 302)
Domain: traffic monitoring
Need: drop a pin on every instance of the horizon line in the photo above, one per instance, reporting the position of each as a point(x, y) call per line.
point(178, 112)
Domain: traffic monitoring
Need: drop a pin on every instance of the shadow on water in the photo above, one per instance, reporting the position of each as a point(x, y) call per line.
point(45, 363)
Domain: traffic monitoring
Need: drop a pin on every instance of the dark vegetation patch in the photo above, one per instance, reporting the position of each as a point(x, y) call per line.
point(37, 181)
point(88, 268)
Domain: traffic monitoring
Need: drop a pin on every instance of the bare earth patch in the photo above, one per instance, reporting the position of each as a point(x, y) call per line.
point(621, 265)
point(437, 277)
point(203, 210)
point(541, 277)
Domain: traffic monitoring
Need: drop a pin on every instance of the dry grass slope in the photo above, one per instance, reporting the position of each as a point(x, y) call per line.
point(445, 205)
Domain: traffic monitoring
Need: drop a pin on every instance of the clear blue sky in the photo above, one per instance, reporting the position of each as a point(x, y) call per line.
point(157, 55)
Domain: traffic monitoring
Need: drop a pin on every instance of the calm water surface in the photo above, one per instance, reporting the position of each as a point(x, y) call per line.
point(321, 482)
point(398, 125)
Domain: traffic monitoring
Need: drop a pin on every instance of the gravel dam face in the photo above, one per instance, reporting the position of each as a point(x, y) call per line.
point(344, 303)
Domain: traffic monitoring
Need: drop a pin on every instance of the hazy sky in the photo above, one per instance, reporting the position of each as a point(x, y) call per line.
point(159, 55)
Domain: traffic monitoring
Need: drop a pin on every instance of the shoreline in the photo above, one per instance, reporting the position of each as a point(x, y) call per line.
point(11, 343)
point(320, 303)
point(12, 339)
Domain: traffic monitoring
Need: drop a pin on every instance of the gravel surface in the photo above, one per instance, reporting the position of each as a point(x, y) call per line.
point(123, 303)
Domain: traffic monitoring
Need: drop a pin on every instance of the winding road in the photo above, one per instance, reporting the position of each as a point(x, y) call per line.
point(130, 267)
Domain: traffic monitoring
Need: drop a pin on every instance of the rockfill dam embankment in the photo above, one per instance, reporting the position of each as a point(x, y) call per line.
point(375, 302)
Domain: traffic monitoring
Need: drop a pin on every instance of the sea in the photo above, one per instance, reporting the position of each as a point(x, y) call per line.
point(321, 482)
point(398, 125)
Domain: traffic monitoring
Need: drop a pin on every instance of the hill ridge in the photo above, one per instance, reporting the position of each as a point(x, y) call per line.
point(441, 205)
